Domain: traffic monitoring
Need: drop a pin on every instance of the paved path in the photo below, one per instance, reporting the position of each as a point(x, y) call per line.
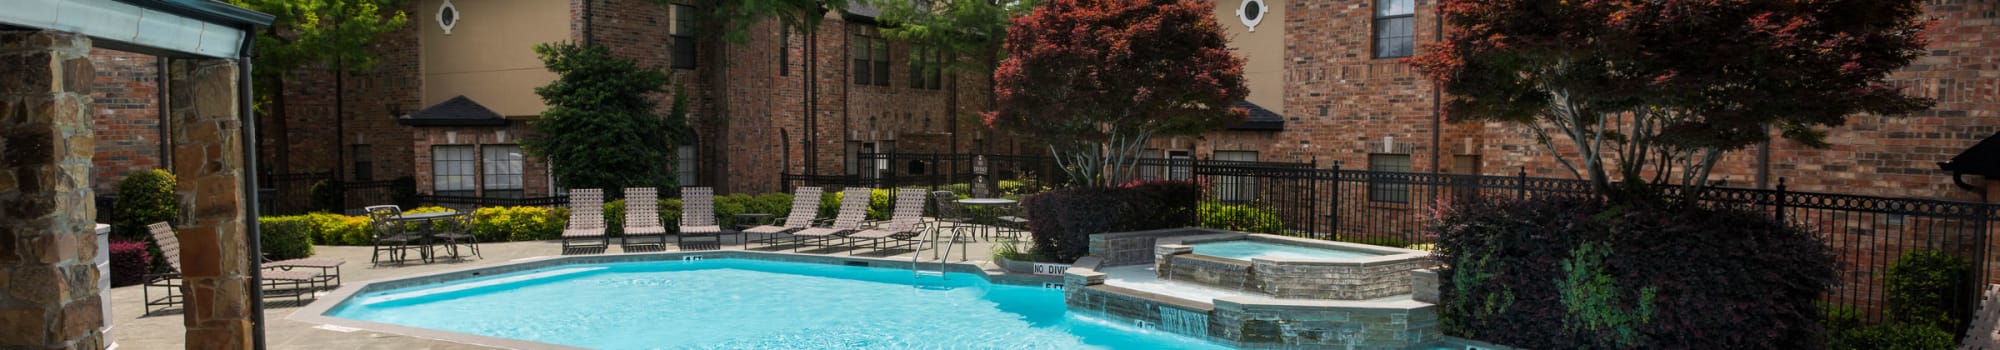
point(133, 331)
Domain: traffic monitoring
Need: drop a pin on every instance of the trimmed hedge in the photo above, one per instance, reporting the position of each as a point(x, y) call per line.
point(1924, 284)
point(1064, 219)
point(1893, 336)
point(1240, 218)
point(829, 204)
point(287, 237)
point(130, 261)
point(144, 197)
point(501, 224)
point(1568, 273)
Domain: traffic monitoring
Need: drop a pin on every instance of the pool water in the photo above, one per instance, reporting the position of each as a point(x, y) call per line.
point(752, 304)
point(1247, 249)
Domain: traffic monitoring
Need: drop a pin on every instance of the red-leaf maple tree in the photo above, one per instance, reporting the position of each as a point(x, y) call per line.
point(1667, 87)
point(1096, 79)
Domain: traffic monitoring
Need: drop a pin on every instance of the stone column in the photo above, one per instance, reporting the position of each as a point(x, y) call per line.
point(47, 247)
point(208, 159)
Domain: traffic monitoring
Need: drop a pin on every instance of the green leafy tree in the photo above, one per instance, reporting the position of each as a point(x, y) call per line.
point(967, 35)
point(600, 129)
point(144, 198)
point(334, 34)
point(1660, 90)
point(1097, 79)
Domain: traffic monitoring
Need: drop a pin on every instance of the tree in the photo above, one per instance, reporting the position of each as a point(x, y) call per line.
point(308, 33)
point(600, 129)
point(1669, 87)
point(957, 30)
point(1097, 79)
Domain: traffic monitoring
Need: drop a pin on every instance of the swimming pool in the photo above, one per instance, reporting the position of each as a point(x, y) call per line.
point(742, 303)
point(1247, 249)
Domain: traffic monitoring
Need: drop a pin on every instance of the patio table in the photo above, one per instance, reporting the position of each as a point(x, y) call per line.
point(985, 217)
point(427, 227)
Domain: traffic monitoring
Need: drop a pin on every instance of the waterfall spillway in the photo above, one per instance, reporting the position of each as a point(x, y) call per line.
point(1183, 322)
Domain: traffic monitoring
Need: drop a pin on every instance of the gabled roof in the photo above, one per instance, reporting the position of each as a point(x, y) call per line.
point(861, 12)
point(1981, 159)
point(458, 111)
point(1260, 119)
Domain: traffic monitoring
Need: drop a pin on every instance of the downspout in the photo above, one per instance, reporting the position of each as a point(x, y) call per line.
point(1764, 163)
point(586, 23)
point(250, 229)
point(1437, 99)
point(811, 98)
point(166, 123)
point(847, 121)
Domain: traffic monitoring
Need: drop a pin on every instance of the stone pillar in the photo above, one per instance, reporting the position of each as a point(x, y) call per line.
point(49, 281)
point(208, 159)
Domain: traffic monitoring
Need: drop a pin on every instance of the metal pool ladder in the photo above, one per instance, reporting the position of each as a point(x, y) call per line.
point(917, 267)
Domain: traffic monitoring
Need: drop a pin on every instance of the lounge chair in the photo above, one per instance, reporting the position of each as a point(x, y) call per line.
point(586, 219)
point(698, 215)
point(904, 227)
point(277, 283)
point(388, 234)
point(853, 210)
point(642, 216)
point(805, 207)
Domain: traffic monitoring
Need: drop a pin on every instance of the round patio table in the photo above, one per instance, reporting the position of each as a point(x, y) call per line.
point(987, 219)
point(428, 227)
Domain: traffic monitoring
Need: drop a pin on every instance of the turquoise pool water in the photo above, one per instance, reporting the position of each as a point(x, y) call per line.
point(1246, 249)
point(752, 304)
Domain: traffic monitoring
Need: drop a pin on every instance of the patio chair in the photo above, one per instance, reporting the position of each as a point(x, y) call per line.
point(853, 210)
point(1014, 222)
point(949, 213)
point(805, 208)
point(698, 215)
point(388, 234)
point(278, 283)
point(586, 219)
point(905, 226)
point(642, 216)
point(457, 231)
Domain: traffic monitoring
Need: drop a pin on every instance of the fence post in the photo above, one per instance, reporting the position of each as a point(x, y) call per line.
point(1521, 185)
point(1333, 219)
point(1779, 201)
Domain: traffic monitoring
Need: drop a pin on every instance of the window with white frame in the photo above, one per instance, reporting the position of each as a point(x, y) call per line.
point(1235, 188)
point(684, 166)
point(1395, 28)
point(452, 172)
point(503, 165)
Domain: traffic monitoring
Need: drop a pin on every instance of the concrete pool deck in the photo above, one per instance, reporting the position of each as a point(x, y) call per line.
point(132, 330)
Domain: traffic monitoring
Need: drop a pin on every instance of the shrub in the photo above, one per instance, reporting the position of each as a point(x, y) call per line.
point(670, 215)
point(1629, 275)
point(878, 204)
point(344, 230)
point(614, 218)
point(144, 197)
point(286, 237)
point(500, 224)
point(130, 261)
point(1065, 219)
point(1374, 241)
point(1240, 218)
point(1893, 336)
point(1923, 284)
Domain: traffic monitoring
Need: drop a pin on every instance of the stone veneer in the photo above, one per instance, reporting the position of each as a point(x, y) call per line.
point(47, 249)
point(1386, 274)
point(207, 144)
point(1257, 323)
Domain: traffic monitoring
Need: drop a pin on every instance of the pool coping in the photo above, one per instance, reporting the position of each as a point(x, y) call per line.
point(1384, 255)
point(315, 313)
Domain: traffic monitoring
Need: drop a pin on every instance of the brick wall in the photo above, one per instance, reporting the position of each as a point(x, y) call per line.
point(125, 116)
point(534, 172)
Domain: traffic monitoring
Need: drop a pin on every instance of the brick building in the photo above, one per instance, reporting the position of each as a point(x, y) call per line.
point(1347, 97)
point(125, 117)
point(754, 110)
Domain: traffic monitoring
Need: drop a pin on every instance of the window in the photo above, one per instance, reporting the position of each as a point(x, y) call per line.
point(925, 69)
point(1384, 178)
point(1179, 168)
point(683, 33)
point(1395, 28)
point(684, 166)
point(871, 57)
point(364, 163)
point(451, 170)
point(1235, 188)
point(503, 171)
point(785, 49)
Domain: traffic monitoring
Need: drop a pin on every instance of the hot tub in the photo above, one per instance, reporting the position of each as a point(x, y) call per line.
point(1288, 267)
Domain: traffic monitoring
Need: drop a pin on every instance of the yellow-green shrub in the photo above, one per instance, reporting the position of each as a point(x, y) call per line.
point(1240, 218)
point(499, 224)
point(878, 204)
point(288, 237)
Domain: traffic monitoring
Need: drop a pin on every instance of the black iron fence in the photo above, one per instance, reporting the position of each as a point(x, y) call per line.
point(468, 203)
point(1867, 233)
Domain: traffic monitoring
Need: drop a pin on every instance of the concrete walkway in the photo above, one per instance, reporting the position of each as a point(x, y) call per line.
point(132, 330)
